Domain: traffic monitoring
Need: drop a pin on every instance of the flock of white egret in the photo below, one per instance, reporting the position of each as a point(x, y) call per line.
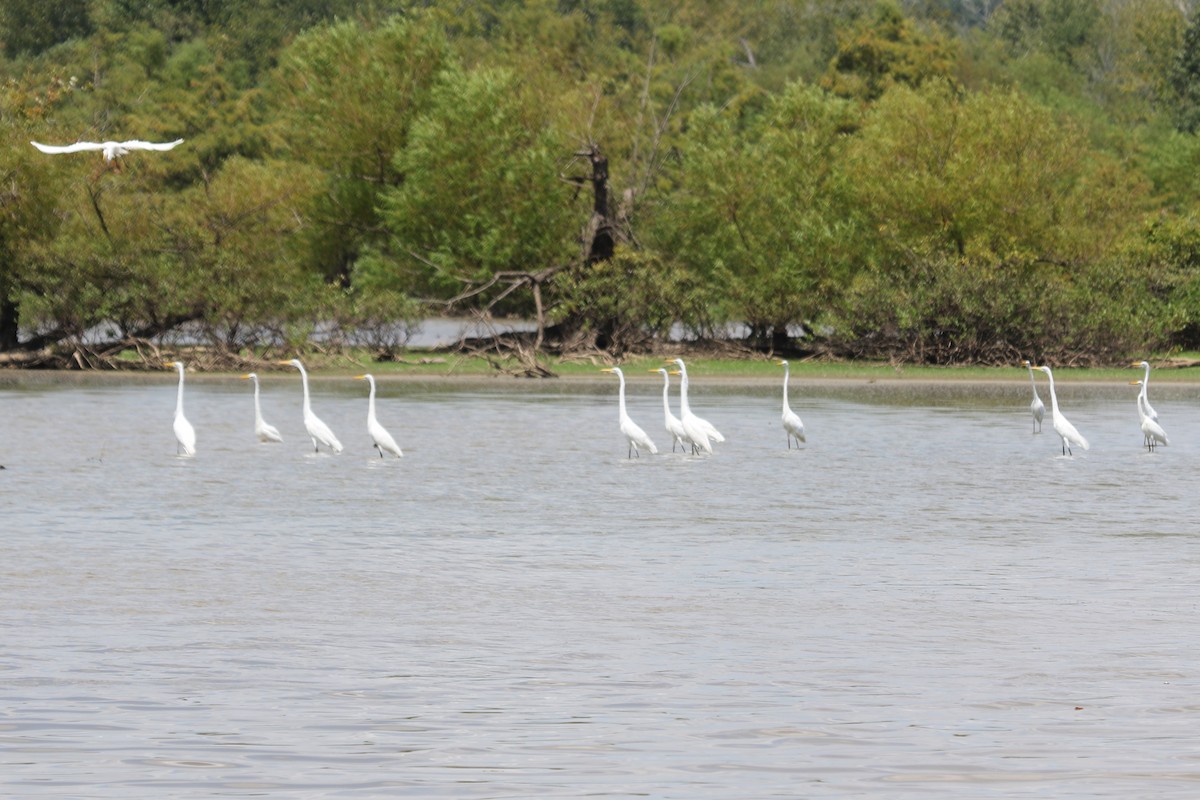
point(690, 431)
point(318, 431)
point(687, 431)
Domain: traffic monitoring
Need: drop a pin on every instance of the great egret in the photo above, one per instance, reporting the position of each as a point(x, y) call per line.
point(636, 437)
point(1152, 433)
point(264, 432)
point(185, 434)
point(383, 439)
point(792, 425)
point(672, 423)
point(696, 429)
point(111, 150)
point(1150, 412)
point(1062, 427)
point(1036, 406)
point(317, 430)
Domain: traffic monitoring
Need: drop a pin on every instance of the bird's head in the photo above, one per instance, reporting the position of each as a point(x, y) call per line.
point(660, 370)
point(248, 376)
point(781, 362)
point(1135, 383)
point(293, 362)
point(616, 370)
point(1139, 364)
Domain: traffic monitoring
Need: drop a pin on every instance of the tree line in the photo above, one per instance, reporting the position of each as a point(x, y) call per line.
point(933, 181)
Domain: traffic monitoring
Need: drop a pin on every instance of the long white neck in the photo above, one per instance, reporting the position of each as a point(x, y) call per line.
point(621, 394)
point(787, 371)
point(179, 398)
point(666, 392)
point(1053, 396)
point(1032, 382)
point(304, 381)
point(1146, 379)
point(371, 399)
point(257, 407)
point(684, 408)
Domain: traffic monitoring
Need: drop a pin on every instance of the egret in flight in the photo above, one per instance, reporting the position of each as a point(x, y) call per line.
point(792, 425)
point(1145, 401)
point(1061, 425)
point(264, 431)
point(185, 434)
point(695, 429)
point(673, 425)
point(1036, 406)
point(636, 437)
point(383, 439)
point(111, 150)
point(317, 430)
point(1152, 433)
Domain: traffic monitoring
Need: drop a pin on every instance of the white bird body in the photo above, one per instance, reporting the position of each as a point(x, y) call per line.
point(1036, 407)
point(636, 437)
point(1152, 433)
point(671, 422)
point(111, 150)
point(1061, 425)
point(383, 440)
point(792, 425)
point(185, 434)
point(696, 429)
point(1145, 400)
point(318, 431)
point(262, 429)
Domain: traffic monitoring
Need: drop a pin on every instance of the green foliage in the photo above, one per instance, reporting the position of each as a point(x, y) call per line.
point(482, 192)
point(971, 181)
point(629, 302)
point(885, 50)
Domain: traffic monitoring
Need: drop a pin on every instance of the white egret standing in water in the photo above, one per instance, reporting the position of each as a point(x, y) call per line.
point(264, 431)
point(696, 429)
point(673, 425)
point(1152, 433)
point(1036, 406)
point(636, 437)
point(383, 439)
point(1145, 400)
point(792, 425)
point(1062, 427)
point(185, 434)
point(317, 430)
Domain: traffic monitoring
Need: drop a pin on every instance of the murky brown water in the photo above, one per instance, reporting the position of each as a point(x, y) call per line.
point(925, 602)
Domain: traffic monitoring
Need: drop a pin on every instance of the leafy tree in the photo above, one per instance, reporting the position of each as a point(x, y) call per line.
point(887, 49)
point(760, 209)
point(346, 97)
point(482, 193)
point(991, 216)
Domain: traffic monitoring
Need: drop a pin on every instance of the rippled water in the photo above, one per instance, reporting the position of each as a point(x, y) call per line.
point(925, 601)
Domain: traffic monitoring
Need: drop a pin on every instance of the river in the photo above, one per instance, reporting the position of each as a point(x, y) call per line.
point(927, 600)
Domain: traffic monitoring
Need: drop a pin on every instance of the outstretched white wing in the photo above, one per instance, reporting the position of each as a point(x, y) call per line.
point(138, 144)
point(55, 149)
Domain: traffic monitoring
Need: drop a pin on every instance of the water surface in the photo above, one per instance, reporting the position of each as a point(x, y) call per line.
point(926, 600)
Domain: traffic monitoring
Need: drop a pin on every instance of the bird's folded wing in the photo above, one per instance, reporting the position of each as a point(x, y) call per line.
point(55, 149)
